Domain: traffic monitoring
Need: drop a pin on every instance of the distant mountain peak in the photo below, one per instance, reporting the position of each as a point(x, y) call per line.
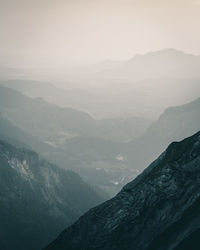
point(163, 52)
point(190, 106)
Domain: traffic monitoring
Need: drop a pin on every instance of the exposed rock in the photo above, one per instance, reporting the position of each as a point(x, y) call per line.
point(160, 209)
point(37, 199)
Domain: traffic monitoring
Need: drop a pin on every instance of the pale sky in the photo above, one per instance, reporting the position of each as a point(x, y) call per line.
point(61, 32)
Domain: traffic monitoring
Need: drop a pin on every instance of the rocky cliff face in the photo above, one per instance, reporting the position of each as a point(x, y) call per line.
point(37, 199)
point(159, 210)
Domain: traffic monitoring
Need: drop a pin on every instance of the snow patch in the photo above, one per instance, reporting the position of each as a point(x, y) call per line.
point(114, 182)
point(21, 167)
point(120, 157)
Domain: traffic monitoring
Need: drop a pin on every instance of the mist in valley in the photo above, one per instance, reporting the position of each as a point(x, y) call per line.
point(91, 93)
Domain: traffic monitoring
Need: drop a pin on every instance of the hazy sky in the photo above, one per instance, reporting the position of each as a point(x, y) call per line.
point(58, 32)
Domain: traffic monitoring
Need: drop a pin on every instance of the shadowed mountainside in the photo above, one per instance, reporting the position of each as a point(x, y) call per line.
point(37, 199)
point(158, 210)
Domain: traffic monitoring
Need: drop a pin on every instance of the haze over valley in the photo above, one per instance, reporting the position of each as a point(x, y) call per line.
point(99, 125)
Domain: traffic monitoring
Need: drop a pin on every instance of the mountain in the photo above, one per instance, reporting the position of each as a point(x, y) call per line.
point(17, 137)
point(50, 93)
point(158, 210)
point(95, 159)
point(42, 119)
point(98, 159)
point(55, 124)
point(105, 162)
point(167, 62)
point(70, 138)
point(37, 199)
point(141, 86)
point(80, 99)
point(175, 123)
point(146, 84)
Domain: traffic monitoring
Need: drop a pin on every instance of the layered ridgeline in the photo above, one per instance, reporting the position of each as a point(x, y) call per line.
point(108, 162)
point(174, 124)
point(170, 63)
point(55, 124)
point(70, 138)
point(94, 158)
point(86, 149)
point(19, 138)
point(158, 210)
point(37, 199)
point(144, 85)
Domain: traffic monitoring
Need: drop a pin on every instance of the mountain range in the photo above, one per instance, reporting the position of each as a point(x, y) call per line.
point(62, 122)
point(157, 64)
point(64, 151)
point(84, 147)
point(70, 138)
point(146, 84)
point(158, 210)
point(142, 86)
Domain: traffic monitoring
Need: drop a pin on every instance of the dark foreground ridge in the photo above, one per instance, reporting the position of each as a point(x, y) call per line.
point(160, 209)
point(37, 199)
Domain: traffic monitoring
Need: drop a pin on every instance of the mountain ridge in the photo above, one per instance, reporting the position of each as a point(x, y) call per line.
point(149, 212)
point(37, 198)
point(175, 123)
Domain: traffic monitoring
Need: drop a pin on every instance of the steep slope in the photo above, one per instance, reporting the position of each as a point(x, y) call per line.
point(158, 210)
point(55, 124)
point(42, 119)
point(19, 138)
point(69, 138)
point(95, 159)
point(74, 98)
point(108, 164)
point(114, 164)
point(80, 99)
point(175, 123)
point(37, 199)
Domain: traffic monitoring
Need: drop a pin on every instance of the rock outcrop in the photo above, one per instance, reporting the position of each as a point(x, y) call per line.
point(37, 199)
point(159, 210)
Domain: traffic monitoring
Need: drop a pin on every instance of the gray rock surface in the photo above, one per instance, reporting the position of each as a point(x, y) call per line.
point(160, 209)
point(37, 199)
